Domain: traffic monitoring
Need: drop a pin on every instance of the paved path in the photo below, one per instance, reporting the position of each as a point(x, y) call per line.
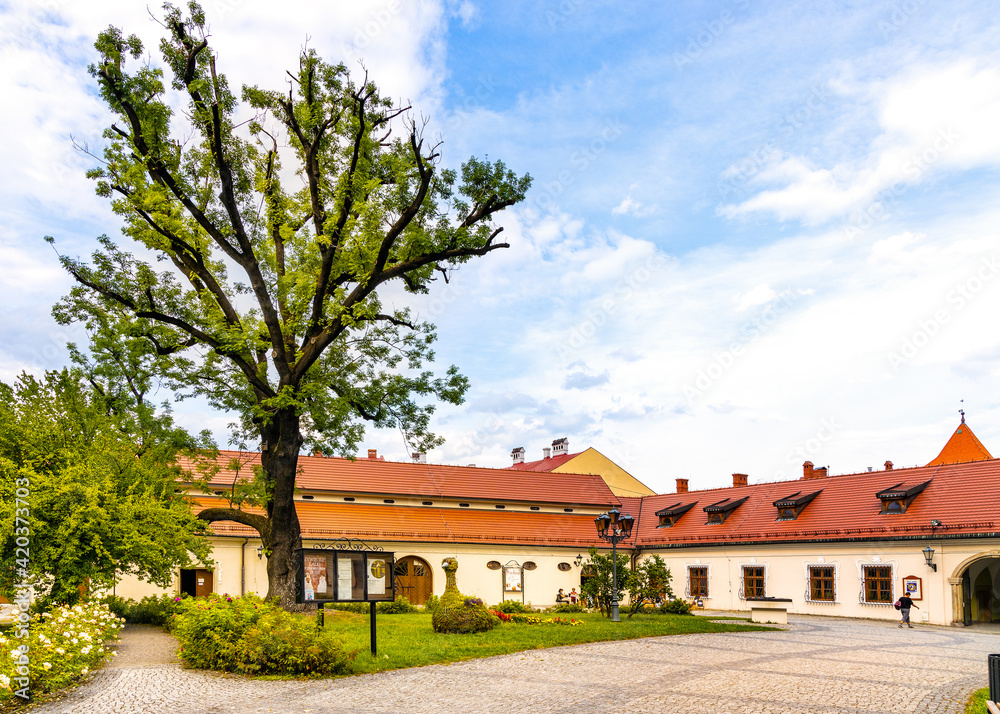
point(817, 665)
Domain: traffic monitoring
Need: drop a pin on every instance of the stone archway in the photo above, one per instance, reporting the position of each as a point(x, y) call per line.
point(414, 579)
point(975, 589)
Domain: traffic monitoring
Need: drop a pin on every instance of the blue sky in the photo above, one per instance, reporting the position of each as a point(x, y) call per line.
point(759, 232)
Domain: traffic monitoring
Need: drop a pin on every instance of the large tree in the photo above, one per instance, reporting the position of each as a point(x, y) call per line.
point(91, 473)
point(270, 304)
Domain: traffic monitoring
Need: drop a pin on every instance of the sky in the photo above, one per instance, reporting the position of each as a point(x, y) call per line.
point(759, 232)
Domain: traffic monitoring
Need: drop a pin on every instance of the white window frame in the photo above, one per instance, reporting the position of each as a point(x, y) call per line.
point(863, 591)
point(708, 579)
point(807, 565)
point(751, 564)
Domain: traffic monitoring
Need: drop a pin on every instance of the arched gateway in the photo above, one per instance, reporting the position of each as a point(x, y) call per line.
point(414, 579)
point(975, 589)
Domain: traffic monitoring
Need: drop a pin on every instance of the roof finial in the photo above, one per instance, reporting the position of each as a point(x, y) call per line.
point(962, 411)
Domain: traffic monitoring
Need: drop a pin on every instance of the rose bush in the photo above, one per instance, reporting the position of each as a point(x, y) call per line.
point(63, 645)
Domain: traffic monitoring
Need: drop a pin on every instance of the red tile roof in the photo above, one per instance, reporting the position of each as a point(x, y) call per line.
point(423, 524)
point(319, 473)
point(553, 462)
point(962, 496)
point(962, 447)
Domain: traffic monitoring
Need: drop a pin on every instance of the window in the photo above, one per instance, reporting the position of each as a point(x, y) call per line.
point(753, 581)
point(698, 581)
point(427, 503)
point(494, 565)
point(402, 567)
point(878, 583)
point(529, 565)
point(565, 567)
point(463, 505)
point(670, 515)
point(821, 588)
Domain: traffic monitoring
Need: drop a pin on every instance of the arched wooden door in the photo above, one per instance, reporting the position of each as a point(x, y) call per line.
point(414, 579)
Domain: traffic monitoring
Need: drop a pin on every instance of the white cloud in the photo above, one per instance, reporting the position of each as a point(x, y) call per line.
point(931, 120)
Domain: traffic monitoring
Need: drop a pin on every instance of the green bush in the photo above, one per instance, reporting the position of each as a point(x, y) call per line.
point(432, 603)
point(675, 607)
point(568, 607)
point(249, 636)
point(118, 605)
point(153, 610)
point(399, 606)
point(511, 606)
point(459, 614)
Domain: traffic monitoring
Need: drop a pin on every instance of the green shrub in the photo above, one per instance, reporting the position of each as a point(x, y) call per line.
point(118, 605)
point(977, 702)
point(568, 607)
point(249, 636)
point(675, 607)
point(457, 613)
point(399, 606)
point(511, 606)
point(62, 646)
point(154, 610)
point(432, 603)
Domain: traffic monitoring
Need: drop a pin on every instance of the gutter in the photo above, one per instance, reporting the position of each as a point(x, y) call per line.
point(869, 539)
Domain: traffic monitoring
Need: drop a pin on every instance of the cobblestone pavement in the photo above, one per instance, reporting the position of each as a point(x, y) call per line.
point(816, 665)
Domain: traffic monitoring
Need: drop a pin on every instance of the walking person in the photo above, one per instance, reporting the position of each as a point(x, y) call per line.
point(905, 603)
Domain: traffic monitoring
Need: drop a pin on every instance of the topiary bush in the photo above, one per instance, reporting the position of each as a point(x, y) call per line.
point(512, 606)
point(457, 613)
point(249, 636)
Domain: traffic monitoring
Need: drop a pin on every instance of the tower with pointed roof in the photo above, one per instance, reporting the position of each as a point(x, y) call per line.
point(962, 447)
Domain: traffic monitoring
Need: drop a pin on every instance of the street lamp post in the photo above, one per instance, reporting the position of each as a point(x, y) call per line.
point(614, 527)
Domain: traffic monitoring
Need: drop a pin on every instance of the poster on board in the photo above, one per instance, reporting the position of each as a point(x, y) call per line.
point(316, 577)
point(512, 579)
point(912, 586)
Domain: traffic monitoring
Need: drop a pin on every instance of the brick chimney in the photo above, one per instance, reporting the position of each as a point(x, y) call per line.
point(560, 446)
point(739, 479)
point(548, 453)
point(807, 470)
point(682, 485)
point(373, 454)
point(888, 466)
point(419, 457)
point(518, 455)
point(820, 472)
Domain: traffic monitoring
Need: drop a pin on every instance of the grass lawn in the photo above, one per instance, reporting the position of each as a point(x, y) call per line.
point(409, 640)
point(977, 702)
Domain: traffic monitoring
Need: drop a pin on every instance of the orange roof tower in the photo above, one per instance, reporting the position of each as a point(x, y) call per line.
point(962, 447)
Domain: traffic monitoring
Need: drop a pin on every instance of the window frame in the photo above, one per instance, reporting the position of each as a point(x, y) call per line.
point(691, 581)
point(761, 576)
point(812, 580)
point(879, 581)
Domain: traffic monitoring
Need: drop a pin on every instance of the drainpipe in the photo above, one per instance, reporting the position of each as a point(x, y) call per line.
point(243, 567)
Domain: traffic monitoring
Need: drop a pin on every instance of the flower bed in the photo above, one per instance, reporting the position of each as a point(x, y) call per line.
point(523, 619)
point(62, 647)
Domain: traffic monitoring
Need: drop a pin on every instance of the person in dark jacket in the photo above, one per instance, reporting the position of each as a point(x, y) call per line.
point(905, 603)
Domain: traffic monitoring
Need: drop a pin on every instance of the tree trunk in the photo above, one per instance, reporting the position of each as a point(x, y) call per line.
point(280, 442)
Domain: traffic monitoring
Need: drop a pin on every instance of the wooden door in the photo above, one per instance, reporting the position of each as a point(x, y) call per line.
point(414, 579)
point(197, 583)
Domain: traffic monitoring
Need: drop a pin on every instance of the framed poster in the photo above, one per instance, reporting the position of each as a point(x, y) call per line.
point(328, 574)
point(912, 587)
point(512, 579)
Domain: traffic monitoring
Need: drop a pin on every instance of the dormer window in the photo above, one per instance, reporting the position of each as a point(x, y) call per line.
point(791, 506)
point(897, 499)
point(719, 511)
point(671, 514)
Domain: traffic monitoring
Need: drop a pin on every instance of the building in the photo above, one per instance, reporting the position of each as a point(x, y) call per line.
point(846, 545)
point(557, 459)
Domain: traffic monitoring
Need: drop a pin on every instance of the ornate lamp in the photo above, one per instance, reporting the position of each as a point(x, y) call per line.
point(928, 556)
point(614, 527)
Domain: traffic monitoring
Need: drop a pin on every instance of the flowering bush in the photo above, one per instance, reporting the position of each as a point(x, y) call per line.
point(535, 620)
point(250, 636)
point(63, 645)
point(504, 617)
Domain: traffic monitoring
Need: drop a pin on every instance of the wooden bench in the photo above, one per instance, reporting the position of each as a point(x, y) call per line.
point(769, 609)
point(992, 707)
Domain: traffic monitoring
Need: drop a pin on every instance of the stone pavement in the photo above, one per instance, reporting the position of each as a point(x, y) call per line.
point(816, 665)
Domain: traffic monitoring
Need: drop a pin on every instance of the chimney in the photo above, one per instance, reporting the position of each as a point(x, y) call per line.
point(682, 485)
point(518, 455)
point(888, 466)
point(373, 454)
point(820, 472)
point(739, 479)
point(419, 457)
point(560, 446)
point(807, 470)
point(548, 453)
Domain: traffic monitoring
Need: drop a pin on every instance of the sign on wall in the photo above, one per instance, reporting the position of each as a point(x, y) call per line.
point(344, 571)
point(912, 586)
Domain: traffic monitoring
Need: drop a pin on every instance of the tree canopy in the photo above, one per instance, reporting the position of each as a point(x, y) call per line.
point(100, 479)
point(281, 218)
